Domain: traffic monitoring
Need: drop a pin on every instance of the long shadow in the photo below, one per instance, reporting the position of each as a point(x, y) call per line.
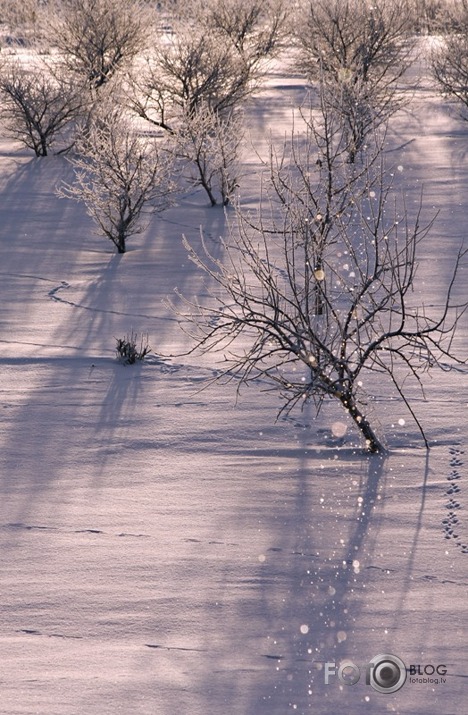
point(128, 292)
point(33, 226)
point(297, 607)
point(323, 588)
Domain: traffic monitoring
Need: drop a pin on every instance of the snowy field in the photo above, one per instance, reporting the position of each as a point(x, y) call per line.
point(166, 551)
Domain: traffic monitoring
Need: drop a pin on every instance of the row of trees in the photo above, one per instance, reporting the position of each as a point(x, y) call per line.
point(352, 53)
point(213, 59)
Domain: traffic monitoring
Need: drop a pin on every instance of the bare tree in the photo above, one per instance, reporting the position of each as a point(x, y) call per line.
point(39, 108)
point(449, 57)
point(190, 87)
point(185, 71)
point(19, 20)
point(255, 28)
point(430, 16)
point(370, 40)
point(356, 51)
point(211, 146)
point(197, 76)
point(98, 37)
point(120, 176)
point(309, 304)
point(359, 108)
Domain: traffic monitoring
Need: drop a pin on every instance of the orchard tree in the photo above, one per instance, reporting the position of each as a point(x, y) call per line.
point(210, 147)
point(191, 87)
point(21, 20)
point(449, 57)
point(317, 290)
point(356, 52)
point(255, 28)
point(184, 72)
point(359, 109)
point(39, 108)
point(370, 40)
point(96, 38)
point(430, 16)
point(120, 176)
point(196, 78)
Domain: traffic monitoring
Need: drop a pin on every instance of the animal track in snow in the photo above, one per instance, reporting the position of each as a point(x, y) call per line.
point(53, 294)
point(451, 523)
point(34, 632)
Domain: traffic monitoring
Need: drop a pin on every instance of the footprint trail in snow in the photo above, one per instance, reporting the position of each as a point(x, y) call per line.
point(451, 524)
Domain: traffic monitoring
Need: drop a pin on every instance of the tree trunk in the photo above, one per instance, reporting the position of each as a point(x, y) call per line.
point(205, 183)
point(120, 243)
point(43, 150)
point(373, 444)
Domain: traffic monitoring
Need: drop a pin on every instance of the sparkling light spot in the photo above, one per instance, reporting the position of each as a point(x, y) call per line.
point(304, 629)
point(339, 429)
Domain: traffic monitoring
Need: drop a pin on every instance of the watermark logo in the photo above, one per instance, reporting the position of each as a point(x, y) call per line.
point(386, 673)
point(428, 674)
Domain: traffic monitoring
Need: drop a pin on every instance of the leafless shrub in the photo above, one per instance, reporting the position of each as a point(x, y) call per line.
point(130, 349)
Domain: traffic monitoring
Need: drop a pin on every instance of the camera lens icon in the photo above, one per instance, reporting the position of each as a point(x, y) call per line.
point(386, 673)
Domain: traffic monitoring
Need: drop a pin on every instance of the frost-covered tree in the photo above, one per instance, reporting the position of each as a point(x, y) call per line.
point(357, 108)
point(210, 145)
point(96, 38)
point(197, 76)
point(39, 108)
point(190, 87)
point(369, 40)
point(356, 51)
point(185, 71)
point(315, 293)
point(255, 28)
point(120, 176)
point(19, 19)
point(449, 57)
point(430, 16)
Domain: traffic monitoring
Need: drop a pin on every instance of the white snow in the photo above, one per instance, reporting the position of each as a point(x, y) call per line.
point(164, 550)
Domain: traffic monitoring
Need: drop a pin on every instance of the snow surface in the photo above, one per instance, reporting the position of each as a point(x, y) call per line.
point(164, 550)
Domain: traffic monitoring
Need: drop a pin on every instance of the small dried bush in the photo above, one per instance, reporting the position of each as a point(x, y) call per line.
point(130, 349)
